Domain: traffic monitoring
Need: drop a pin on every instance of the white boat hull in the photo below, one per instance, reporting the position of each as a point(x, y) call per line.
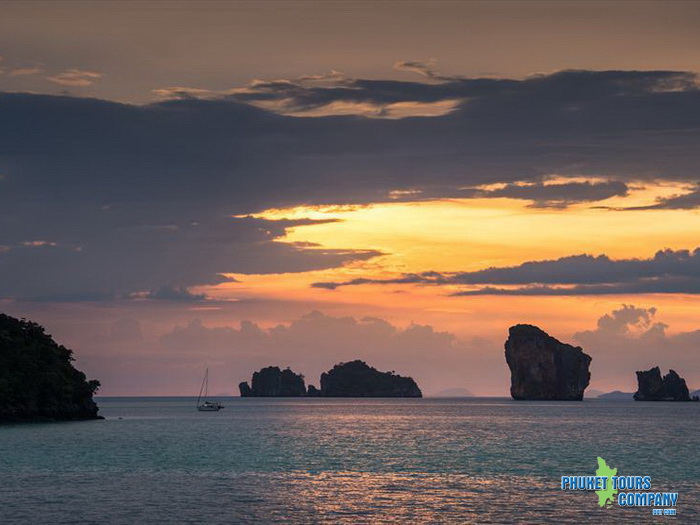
point(204, 408)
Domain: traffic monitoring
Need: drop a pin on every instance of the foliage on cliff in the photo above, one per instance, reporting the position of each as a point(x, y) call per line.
point(274, 382)
point(37, 378)
point(358, 379)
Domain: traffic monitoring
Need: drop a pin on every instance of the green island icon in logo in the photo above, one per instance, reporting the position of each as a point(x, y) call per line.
point(606, 496)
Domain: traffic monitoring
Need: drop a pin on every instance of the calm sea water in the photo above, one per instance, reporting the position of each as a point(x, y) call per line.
point(158, 460)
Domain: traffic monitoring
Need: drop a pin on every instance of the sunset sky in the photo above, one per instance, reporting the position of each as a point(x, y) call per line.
point(239, 184)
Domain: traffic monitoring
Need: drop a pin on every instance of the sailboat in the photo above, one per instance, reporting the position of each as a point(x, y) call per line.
point(204, 404)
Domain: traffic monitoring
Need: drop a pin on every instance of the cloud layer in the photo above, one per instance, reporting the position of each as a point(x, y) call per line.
point(130, 358)
point(99, 198)
point(668, 271)
point(631, 338)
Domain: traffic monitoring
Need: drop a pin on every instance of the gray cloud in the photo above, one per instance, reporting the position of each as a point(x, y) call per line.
point(558, 195)
point(668, 271)
point(100, 198)
point(425, 69)
point(179, 293)
point(684, 201)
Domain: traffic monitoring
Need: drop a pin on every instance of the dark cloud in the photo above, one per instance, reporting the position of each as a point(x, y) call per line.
point(426, 69)
point(104, 198)
point(684, 201)
point(577, 96)
point(661, 285)
point(668, 271)
point(171, 293)
point(111, 259)
point(558, 195)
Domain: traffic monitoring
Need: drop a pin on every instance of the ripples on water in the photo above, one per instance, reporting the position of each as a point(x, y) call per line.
point(345, 461)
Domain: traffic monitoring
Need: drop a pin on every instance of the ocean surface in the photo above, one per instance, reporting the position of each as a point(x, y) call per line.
point(158, 460)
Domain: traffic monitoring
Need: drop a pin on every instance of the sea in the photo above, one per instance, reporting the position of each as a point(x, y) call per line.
point(462, 460)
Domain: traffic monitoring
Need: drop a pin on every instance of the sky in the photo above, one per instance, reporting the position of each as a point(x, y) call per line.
point(234, 185)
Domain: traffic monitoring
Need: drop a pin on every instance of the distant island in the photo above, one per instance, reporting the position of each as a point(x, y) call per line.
point(543, 368)
point(37, 380)
point(616, 395)
point(653, 387)
point(591, 393)
point(352, 379)
point(453, 392)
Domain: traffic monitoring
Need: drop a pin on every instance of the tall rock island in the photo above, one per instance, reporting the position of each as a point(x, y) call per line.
point(358, 379)
point(543, 368)
point(653, 387)
point(274, 382)
point(37, 379)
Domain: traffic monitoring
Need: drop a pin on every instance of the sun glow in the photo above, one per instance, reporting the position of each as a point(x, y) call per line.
point(472, 234)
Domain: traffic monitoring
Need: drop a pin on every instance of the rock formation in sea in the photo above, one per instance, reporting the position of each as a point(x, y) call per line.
point(312, 391)
point(358, 379)
point(543, 368)
point(245, 390)
point(274, 382)
point(653, 387)
point(37, 380)
point(353, 379)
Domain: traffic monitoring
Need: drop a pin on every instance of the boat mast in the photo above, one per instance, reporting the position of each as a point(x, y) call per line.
point(205, 387)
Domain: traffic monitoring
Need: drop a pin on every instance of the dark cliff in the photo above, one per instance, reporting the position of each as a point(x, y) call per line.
point(543, 368)
point(37, 379)
point(358, 379)
point(653, 387)
point(274, 382)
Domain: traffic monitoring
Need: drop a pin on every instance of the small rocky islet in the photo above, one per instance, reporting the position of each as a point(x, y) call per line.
point(653, 387)
point(351, 379)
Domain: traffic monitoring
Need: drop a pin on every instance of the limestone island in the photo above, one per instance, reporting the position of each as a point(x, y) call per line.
point(543, 368)
point(653, 387)
point(358, 379)
point(353, 379)
point(274, 382)
point(37, 380)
